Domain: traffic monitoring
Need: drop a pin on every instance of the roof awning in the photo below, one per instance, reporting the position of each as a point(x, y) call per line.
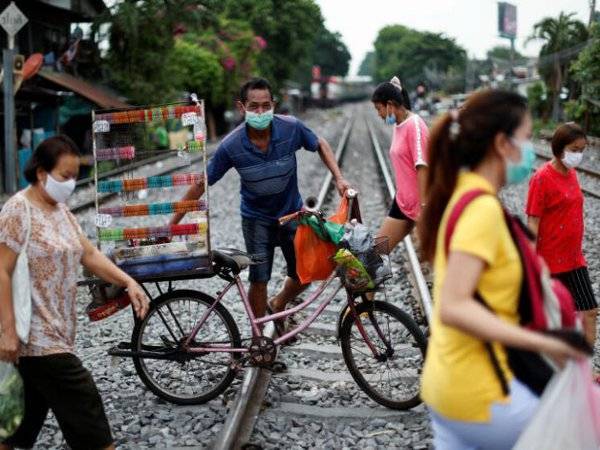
point(92, 92)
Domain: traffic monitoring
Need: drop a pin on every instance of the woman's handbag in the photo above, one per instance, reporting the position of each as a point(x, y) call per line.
point(21, 284)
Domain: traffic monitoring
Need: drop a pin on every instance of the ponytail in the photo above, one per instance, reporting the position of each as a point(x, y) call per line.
point(442, 174)
point(392, 91)
point(463, 140)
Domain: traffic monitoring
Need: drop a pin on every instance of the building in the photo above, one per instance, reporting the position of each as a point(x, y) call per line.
point(60, 96)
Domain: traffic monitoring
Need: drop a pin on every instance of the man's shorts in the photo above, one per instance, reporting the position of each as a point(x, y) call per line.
point(261, 239)
point(61, 383)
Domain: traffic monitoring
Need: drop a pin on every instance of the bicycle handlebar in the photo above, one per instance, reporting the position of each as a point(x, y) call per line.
point(350, 193)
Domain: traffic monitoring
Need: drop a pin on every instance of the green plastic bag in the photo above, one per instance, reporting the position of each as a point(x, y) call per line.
point(329, 231)
point(12, 399)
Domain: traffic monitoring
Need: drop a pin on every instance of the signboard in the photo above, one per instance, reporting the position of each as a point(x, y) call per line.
point(507, 20)
point(12, 19)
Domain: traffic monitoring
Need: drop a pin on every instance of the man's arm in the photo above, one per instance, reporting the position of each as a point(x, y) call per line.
point(195, 191)
point(328, 157)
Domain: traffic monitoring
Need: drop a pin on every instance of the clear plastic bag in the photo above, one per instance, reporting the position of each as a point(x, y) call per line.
point(568, 416)
point(12, 399)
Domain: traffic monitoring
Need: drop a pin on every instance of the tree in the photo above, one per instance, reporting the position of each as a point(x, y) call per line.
point(502, 53)
point(412, 54)
point(331, 54)
point(288, 28)
point(141, 37)
point(367, 66)
point(586, 70)
point(558, 34)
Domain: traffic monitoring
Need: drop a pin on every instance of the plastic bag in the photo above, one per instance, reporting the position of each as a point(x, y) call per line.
point(12, 399)
point(314, 255)
point(568, 416)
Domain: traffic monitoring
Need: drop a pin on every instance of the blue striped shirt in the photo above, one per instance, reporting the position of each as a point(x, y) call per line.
point(269, 180)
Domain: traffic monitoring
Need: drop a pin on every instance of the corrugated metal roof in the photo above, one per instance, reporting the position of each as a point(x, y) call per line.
point(92, 92)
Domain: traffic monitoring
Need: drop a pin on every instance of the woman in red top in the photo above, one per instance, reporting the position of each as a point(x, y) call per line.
point(555, 211)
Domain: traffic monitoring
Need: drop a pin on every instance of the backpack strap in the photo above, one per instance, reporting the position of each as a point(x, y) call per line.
point(457, 211)
point(455, 214)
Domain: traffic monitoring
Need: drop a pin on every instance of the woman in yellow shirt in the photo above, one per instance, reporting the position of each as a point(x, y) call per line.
point(485, 146)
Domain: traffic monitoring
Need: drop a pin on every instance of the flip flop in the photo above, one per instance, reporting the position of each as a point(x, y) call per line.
point(280, 327)
point(279, 323)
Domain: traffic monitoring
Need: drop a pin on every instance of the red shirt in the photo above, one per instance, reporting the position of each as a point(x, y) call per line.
point(558, 202)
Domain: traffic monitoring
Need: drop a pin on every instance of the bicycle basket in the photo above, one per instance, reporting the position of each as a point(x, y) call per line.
point(365, 270)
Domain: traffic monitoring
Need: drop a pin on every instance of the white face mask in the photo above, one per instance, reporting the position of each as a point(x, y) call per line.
point(572, 159)
point(59, 191)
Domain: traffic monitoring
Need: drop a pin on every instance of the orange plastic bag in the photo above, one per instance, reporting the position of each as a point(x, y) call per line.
point(313, 255)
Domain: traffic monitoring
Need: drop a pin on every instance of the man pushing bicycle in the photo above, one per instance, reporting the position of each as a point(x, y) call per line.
point(263, 151)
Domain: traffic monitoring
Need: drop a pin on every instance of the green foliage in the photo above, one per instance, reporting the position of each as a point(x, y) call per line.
point(196, 69)
point(414, 55)
point(586, 71)
point(502, 52)
point(331, 54)
point(289, 29)
point(537, 99)
point(367, 66)
point(557, 34)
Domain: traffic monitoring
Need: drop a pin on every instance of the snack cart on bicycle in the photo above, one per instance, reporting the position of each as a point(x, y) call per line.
point(188, 347)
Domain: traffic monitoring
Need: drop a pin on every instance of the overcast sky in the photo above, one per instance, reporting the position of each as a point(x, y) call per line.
point(473, 23)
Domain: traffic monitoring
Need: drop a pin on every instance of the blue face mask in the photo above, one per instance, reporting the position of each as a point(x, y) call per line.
point(390, 119)
point(520, 171)
point(259, 121)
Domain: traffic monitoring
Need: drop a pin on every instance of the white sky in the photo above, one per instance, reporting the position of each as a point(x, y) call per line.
point(473, 23)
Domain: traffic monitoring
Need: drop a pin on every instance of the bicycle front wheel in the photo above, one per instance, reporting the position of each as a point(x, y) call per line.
point(165, 367)
point(392, 378)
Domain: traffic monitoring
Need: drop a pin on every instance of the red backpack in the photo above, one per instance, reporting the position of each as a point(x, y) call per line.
point(545, 305)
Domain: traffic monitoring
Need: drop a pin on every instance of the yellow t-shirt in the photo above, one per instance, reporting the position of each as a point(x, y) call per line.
point(459, 381)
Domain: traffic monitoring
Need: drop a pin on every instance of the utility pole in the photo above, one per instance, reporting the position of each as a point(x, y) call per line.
point(12, 20)
point(592, 13)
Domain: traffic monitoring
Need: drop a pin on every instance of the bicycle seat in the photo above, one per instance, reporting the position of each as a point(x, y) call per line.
point(233, 259)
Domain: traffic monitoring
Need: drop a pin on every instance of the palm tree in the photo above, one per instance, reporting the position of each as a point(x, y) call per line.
point(560, 36)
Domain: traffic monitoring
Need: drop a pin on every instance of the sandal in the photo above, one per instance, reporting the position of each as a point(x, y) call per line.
point(280, 327)
point(279, 323)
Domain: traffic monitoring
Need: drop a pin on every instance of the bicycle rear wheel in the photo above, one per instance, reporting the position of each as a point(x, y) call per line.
point(392, 379)
point(183, 377)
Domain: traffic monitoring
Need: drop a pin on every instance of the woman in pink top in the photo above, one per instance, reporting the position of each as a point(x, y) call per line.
point(408, 153)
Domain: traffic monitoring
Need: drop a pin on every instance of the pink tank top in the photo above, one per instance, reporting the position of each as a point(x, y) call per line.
point(407, 151)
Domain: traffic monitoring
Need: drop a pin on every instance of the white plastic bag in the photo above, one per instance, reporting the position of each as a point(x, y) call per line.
point(568, 416)
point(21, 285)
point(12, 399)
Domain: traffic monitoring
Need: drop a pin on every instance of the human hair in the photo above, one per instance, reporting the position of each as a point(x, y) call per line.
point(254, 83)
point(391, 91)
point(47, 154)
point(463, 139)
point(564, 135)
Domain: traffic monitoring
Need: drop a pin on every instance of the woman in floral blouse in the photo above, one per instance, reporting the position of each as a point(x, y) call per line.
point(54, 377)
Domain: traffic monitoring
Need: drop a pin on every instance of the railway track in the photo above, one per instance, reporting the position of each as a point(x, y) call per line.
point(305, 375)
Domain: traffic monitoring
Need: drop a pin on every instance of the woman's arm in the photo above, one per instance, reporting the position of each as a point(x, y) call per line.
point(95, 261)
point(534, 224)
point(422, 182)
point(9, 341)
point(460, 310)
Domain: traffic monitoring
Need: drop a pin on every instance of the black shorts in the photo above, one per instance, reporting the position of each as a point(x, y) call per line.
point(580, 286)
point(396, 212)
point(61, 383)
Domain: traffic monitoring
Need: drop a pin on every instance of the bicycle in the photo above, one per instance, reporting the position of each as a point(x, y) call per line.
point(188, 347)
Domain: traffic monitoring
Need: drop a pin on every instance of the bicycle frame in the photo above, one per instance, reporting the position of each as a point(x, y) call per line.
point(256, 322)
